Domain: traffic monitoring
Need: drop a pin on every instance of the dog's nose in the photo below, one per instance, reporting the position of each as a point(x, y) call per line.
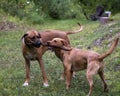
point(38, 43)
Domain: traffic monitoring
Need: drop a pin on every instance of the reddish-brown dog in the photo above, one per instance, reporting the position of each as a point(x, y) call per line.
point(33, 48)
point(76, 59)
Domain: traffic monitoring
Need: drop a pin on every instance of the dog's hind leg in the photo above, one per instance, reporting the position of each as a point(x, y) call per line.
point(92, 69)
point(101, 74)
point(90, 80)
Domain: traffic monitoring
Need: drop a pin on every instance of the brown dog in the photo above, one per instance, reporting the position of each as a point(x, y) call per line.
point(33, 48)
point(76, 59)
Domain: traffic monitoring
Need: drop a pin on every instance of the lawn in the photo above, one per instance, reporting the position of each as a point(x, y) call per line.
point(95, 36)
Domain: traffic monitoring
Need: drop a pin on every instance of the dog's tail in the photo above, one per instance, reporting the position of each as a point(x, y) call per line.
point(76, 31)
point(110, 50)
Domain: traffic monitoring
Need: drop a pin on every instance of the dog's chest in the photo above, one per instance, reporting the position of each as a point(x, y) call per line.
point(31, 55)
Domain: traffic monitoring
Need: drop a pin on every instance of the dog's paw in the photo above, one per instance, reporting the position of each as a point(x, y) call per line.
point(25, 84)
point(45, 85)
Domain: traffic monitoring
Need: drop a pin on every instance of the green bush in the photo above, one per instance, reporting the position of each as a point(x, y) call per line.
point(64, 9)
point(34, 18)
point(56, 11)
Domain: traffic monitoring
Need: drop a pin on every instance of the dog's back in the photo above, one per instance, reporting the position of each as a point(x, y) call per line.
point(50, 34)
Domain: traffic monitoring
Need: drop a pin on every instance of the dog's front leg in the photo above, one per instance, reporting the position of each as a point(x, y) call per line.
point(62, 77)
point(27, 67)
point(45, 84)
point(69, 74)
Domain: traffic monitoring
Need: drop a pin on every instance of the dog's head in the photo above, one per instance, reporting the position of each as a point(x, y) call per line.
point(59, 43)
point(32, 39)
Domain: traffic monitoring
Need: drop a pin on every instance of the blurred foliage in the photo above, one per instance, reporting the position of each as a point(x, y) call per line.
point(36, 11)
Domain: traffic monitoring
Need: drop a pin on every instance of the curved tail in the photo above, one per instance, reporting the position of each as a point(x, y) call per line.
point(110, 50)
point(76, 31)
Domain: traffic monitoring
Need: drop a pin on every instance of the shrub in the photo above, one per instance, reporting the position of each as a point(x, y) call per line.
point(34, 18)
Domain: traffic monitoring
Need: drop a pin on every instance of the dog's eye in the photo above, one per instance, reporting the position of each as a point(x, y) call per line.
point(55, 41)
point(38, 37)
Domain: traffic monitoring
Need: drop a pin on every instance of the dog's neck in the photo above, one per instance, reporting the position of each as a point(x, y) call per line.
point(60, 52)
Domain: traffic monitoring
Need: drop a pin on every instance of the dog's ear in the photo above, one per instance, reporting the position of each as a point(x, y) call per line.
point(64, 42)
point(65, 46)
point(24, 36)
point(39, 35)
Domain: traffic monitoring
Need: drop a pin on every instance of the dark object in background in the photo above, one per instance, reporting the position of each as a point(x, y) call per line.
point(105, 17)
point(99, 12)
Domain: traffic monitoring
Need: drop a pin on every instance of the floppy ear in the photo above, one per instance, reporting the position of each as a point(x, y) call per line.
point(24, 36)
point(39, 35)
point(65, 46)
point(64, 42)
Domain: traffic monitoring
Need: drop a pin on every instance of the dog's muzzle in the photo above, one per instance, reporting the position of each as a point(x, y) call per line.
point(37, 44)
point(49, 47)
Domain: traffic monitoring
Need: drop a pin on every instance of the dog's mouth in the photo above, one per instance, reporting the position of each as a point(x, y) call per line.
point(53, 47)
point(49, 46)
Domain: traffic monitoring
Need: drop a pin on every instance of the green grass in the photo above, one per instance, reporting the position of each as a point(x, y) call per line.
point(12, 71)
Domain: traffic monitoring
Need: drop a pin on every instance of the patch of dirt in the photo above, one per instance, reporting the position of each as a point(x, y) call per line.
point(6, 25)
point(99, 41)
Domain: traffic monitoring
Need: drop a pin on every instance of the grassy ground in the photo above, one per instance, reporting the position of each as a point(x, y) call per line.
point(97, 37)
